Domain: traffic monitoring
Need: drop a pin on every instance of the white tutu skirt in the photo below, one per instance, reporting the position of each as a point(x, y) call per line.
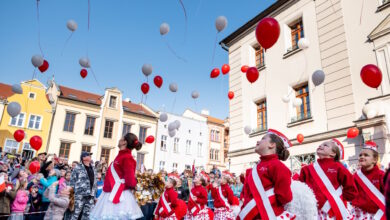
point(126, 209)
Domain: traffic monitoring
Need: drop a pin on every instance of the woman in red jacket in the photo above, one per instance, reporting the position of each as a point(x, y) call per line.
point(116, 200)
point(224, 198)
point(169, 206)
point(370, 202)
point(197, 203)
point(267, 187)
point(331, 182)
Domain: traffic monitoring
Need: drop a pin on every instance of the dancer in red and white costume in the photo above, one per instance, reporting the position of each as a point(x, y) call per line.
point(267, 187)
point(197, 203)
point(331, 182)
point(169, 206)
point(370, 202)
point(224, 198)
point(116, 200)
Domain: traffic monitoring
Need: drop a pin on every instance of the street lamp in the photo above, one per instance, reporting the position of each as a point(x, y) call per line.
point(229, 164)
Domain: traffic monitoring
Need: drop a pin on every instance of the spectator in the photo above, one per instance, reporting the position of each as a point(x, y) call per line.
point(216, 171)
point(68, 174)
point(99, 184)
point(20, 202)
point(236, 187)
point(34, 201)
point(46, 168)
point(42, 158)
point(6, 196)
point(74, 164)
point(182, 192)
point(53, 177)
point(59, 204)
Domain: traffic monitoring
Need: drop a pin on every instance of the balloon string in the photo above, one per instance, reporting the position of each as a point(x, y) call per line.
point(94, 76)
point(66, 42)
point(215, 45)
point(39, 30)
point(300, 77)
point(198, 8)
point(361, 12)
point(89, 12)
point(173, 51)
point(185, 16)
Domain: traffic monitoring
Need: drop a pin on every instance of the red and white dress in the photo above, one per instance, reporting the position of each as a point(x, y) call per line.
point(266, 190)
point(169, 206)
point(370, 202)
point(224, 199)
point(333, 186)
point(198, 210)
point(116, 200)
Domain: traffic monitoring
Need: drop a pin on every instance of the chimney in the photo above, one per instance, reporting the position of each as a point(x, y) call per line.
point(205, 112)
point(127, 100)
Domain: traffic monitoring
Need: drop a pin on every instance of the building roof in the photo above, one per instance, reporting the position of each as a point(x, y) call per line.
point(252, 22)
point(94, 99)
point(5, 91)
point(214, 120)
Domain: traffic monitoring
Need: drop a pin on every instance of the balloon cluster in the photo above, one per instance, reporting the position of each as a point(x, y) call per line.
point(173, 127)
point(40, 63)
point(85, 63)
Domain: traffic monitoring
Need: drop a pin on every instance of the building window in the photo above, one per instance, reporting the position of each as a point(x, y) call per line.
point(188, 147)
point(188, 167)
point(140, 160)
point(163, 143)
point(11, 146)
point(142, 134)
point(162, 165)
point(105, 154)
point(64, 150)
point(176, 145)
point(89, 125)
point(31, 95)
point(108, 129)
point(199, 149)
point(296, 33)
point(112, 101)
point(211, 154)
point(35, 122)
point(28, 152)
point(260, 52)
point(86, 148)
point(303, 111)
point(216, 155)
point(214, 135)
point(18, 120)
point(174, 167)
point(262, 115)
point(69, 121)
point(126, 129)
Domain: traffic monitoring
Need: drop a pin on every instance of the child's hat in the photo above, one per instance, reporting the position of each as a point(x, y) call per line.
point(285, 140)
point(371, 145)
point(340, 146)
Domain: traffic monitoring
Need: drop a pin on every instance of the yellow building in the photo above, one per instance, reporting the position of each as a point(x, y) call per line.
point(34, 118)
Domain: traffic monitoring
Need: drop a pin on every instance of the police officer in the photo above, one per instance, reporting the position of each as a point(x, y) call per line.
point(83, 181)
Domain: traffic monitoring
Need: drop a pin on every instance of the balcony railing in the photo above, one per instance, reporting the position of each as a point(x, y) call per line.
point(301, 117)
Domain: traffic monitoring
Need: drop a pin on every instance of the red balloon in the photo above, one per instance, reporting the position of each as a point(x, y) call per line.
point(83, 73)
point(145, 88)
point(300, 138)
point(371, 75)
point(252, 74)
point(34, 167)
point(19, 135)
point(267, 32)
point(225, 69)
point(352, 132)
point(158, 81)
point(214, 73)
point(36, 142)
point(44, 66)
point(149, 139)
point(244, 68)
point(231, 95)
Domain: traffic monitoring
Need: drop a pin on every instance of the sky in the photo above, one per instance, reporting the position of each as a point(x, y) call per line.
point(123, 35)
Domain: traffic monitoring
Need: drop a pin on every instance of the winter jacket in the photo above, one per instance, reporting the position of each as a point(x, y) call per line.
point(5, 201)
point(79, 180)
point(58, 204)
point(46, 184)
point(20, 202)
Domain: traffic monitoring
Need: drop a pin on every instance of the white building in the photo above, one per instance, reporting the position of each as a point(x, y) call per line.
point(342, 40)
point(188, 145)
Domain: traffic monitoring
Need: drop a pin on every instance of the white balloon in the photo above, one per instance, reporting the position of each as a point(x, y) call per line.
point(71, 25)
point(318, 77)
point(84, 62)
point(171, 126)
point(220, 23)
point(37, 60)
point(247, 129)
point(173, 87)
point(172, 133)
point(371, 113)
point(17, 88)
point(163, 117)
point(177, 124)
point(164, 28)
point(303, 43)
point(147, 69)
point(195, 94)
point(297, 102)
point(13, 109)
point(286, 99)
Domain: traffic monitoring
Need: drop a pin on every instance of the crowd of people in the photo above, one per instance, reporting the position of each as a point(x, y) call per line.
point(97, 190)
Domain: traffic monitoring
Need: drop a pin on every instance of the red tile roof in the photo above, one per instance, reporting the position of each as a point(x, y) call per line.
point(135, 108)
point(5, 91)
point(214, 120)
